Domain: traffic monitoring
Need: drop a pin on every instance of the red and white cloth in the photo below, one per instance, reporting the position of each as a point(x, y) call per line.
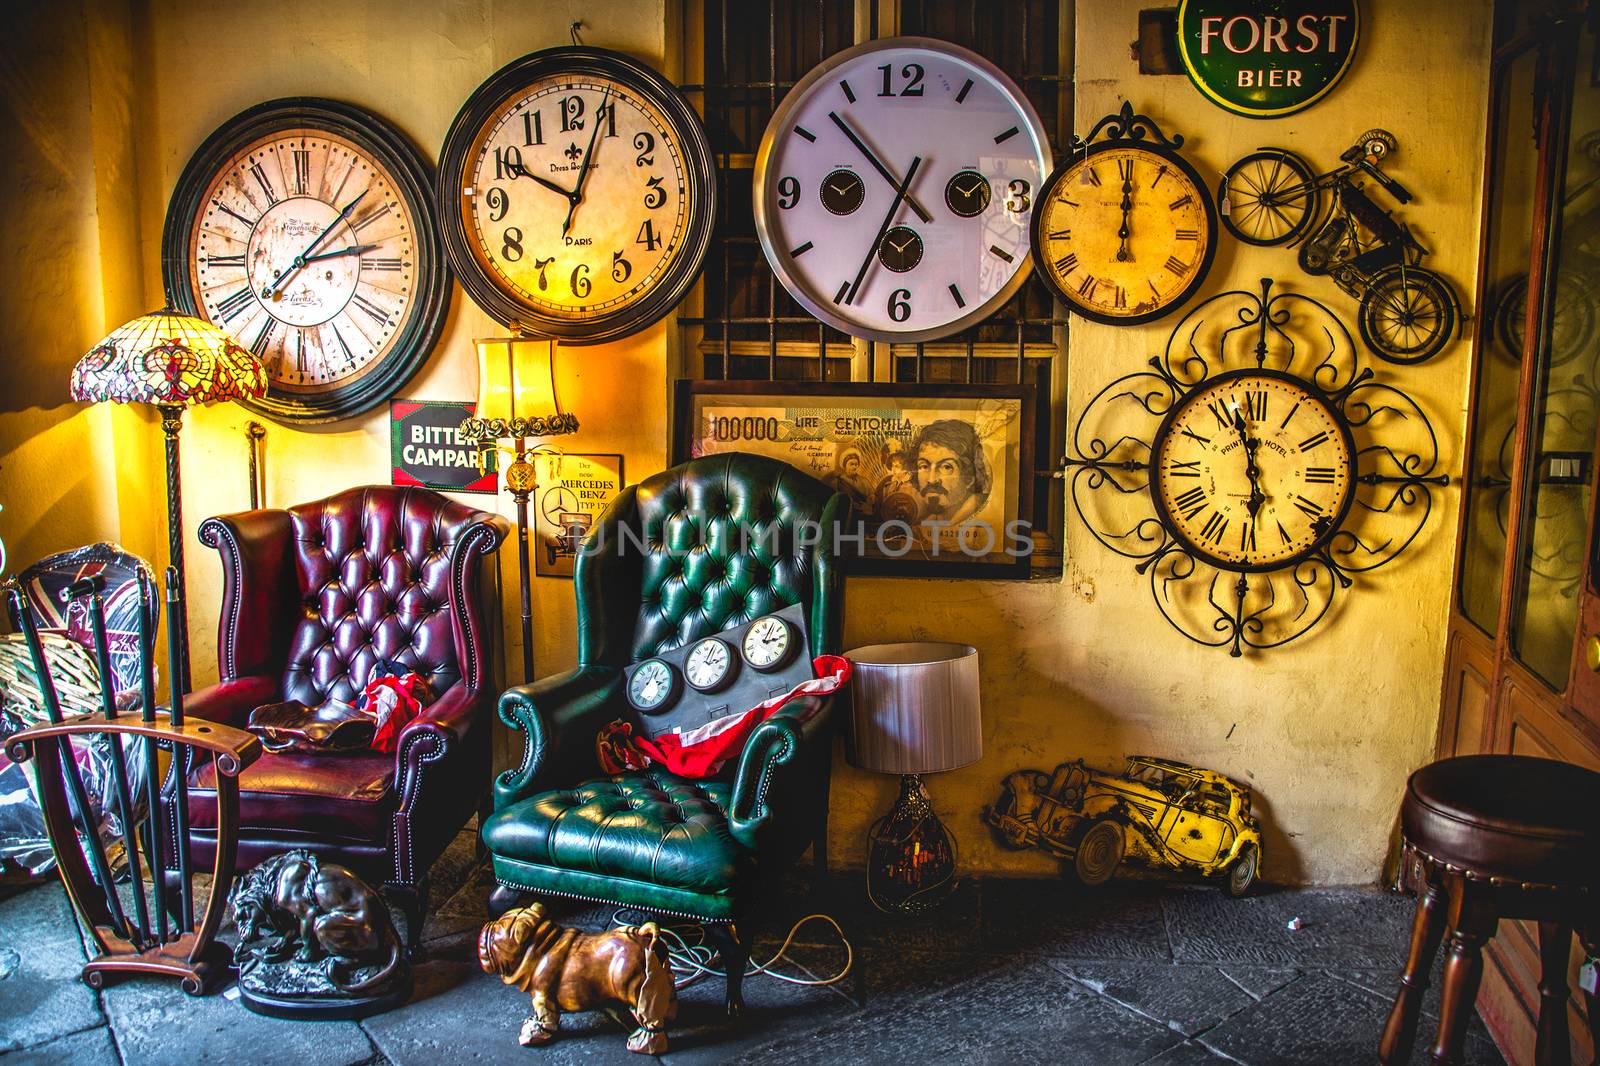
point(701, 752)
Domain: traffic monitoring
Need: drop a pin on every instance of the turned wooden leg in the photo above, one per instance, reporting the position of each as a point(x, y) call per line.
point(1554, 1046)
point(1473, 922)
point(1427, 929)
point(734, 958)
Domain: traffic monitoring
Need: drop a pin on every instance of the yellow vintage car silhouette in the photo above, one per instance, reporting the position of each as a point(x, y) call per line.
point(1164, 814)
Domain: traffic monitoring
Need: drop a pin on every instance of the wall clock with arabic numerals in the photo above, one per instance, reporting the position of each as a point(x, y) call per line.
point(1124, 231)
point(1255, 471)
point(894, 186)
point(576, 195)
point(305, 229)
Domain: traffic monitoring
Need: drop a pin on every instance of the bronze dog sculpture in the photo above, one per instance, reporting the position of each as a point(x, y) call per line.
point(294, 908)
point(569, 970)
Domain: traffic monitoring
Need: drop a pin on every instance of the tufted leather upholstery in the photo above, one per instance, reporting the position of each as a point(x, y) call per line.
point(312, 597)
point(691, 551)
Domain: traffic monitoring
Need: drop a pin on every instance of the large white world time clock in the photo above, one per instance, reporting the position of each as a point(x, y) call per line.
point(894, 188)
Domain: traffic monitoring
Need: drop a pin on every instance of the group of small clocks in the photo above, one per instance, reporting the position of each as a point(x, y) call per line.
point(770, 644)
point(575, 197)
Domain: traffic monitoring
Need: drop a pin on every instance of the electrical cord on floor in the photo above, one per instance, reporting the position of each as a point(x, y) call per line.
point(691, 958)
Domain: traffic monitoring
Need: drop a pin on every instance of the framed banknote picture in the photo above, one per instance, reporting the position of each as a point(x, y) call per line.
point(940, 476)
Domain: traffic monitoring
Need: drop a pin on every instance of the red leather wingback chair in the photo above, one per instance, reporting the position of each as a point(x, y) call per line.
point(312, 597)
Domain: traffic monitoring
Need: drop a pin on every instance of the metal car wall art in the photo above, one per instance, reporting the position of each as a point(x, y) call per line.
point(1165, 815)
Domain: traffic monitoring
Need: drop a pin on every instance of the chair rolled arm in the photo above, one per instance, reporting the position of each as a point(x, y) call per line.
point(797, 728)
point(230, 702)
point(450, 715)
point(560, 716)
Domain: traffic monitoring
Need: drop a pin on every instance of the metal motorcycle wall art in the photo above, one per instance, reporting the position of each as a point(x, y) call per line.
point(1272, 197)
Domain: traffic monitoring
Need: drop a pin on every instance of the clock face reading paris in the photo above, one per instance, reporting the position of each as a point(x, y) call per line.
point(576, 196)
point(894, 188)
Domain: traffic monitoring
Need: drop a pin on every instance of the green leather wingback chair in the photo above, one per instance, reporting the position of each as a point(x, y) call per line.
point(692, 551)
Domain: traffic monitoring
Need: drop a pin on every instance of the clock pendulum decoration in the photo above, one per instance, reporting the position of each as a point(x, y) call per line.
point(1124, 231)
point(894, 187)
point(1255, 470)
point(304, 229)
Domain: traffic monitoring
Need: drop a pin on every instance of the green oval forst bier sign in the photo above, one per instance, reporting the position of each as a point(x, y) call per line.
point(1266, 58)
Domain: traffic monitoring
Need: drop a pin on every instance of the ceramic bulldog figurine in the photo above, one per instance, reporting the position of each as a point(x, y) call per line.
point(569, 970)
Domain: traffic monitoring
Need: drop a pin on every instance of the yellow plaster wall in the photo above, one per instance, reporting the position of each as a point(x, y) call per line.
point(1325, 730)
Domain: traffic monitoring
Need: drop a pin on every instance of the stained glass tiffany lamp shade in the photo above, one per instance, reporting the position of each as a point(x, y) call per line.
point(174, 361)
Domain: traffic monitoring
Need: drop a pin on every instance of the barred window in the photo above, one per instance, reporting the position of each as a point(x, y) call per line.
point(741, 59)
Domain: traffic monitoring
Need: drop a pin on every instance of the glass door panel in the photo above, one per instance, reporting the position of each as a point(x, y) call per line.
point(1508, 235)
point(1551, 553)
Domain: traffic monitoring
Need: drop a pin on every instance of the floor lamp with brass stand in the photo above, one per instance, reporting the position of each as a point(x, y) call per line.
point(517, 402)
point(172, 361)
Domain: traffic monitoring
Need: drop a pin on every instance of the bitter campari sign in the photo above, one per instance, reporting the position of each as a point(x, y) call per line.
point(1268, 57)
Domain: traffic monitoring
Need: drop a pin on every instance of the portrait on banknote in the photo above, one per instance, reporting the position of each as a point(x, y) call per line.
point(939, 476)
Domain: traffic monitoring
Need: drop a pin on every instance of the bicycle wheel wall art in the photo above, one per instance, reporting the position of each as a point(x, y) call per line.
point(1272, 196)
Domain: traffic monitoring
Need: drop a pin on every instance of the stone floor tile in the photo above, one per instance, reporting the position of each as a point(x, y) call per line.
point(156, 1023)
point(1259, 981)
point(1386, 983)
point(1023, 1013)
point(92, 1047)
point(1340, 927)
point(1188, 1053)
point(1122, 920)
point(775, 1011)
point(459, 1014)
point(1315, 1021)
point(43, 998)
point(1186, 999)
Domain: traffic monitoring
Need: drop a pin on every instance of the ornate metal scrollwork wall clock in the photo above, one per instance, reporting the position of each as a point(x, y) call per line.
point(1255, 470)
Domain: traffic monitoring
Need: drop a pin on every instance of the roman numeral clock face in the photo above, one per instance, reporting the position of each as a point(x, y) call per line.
point(311, 241)
point(1125, 233)
point(894, 188)
point(1253, 471)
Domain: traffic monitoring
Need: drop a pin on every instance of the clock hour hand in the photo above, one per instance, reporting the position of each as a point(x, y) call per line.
point(354, 249)
point(888, 219)
point(877, 164)
point(1123, 253)
point(1251, 470)
point(523, 172)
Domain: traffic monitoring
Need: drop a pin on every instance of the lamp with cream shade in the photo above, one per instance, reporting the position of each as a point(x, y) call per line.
point(915, 710)
point(517, 401)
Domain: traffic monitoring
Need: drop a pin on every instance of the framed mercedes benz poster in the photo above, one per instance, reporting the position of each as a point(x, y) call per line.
point(940, 476)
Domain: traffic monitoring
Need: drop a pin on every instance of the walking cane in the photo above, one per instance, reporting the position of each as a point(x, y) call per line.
point(93, 848)
point(154, 840)
point(91, 587)
point(176, 638)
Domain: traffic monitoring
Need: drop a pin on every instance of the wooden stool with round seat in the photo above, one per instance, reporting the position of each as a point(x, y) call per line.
point(1497, 836)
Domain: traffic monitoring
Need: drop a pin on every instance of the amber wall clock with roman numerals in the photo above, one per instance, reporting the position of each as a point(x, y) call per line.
point(305, 229)
point(576, 195)
point(1256, 472)
point(1124, 230)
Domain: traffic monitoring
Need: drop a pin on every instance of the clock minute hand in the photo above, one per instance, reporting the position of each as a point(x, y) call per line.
point(877, 164)
point(583, 168)
point(300, 260)
point(894, 208)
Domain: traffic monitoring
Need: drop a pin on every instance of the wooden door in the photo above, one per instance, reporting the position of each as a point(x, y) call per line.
point(1522, 669)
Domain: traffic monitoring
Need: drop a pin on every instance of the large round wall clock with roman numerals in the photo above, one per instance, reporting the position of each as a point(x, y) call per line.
point(894, 187)
point(576, 195)
point(305, 229)
point(1255, 471)
point(1125, 230)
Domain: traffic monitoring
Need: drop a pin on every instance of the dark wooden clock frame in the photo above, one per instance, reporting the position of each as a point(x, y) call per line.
point(1125, 129)
point(700, 183)
point(412, 179)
